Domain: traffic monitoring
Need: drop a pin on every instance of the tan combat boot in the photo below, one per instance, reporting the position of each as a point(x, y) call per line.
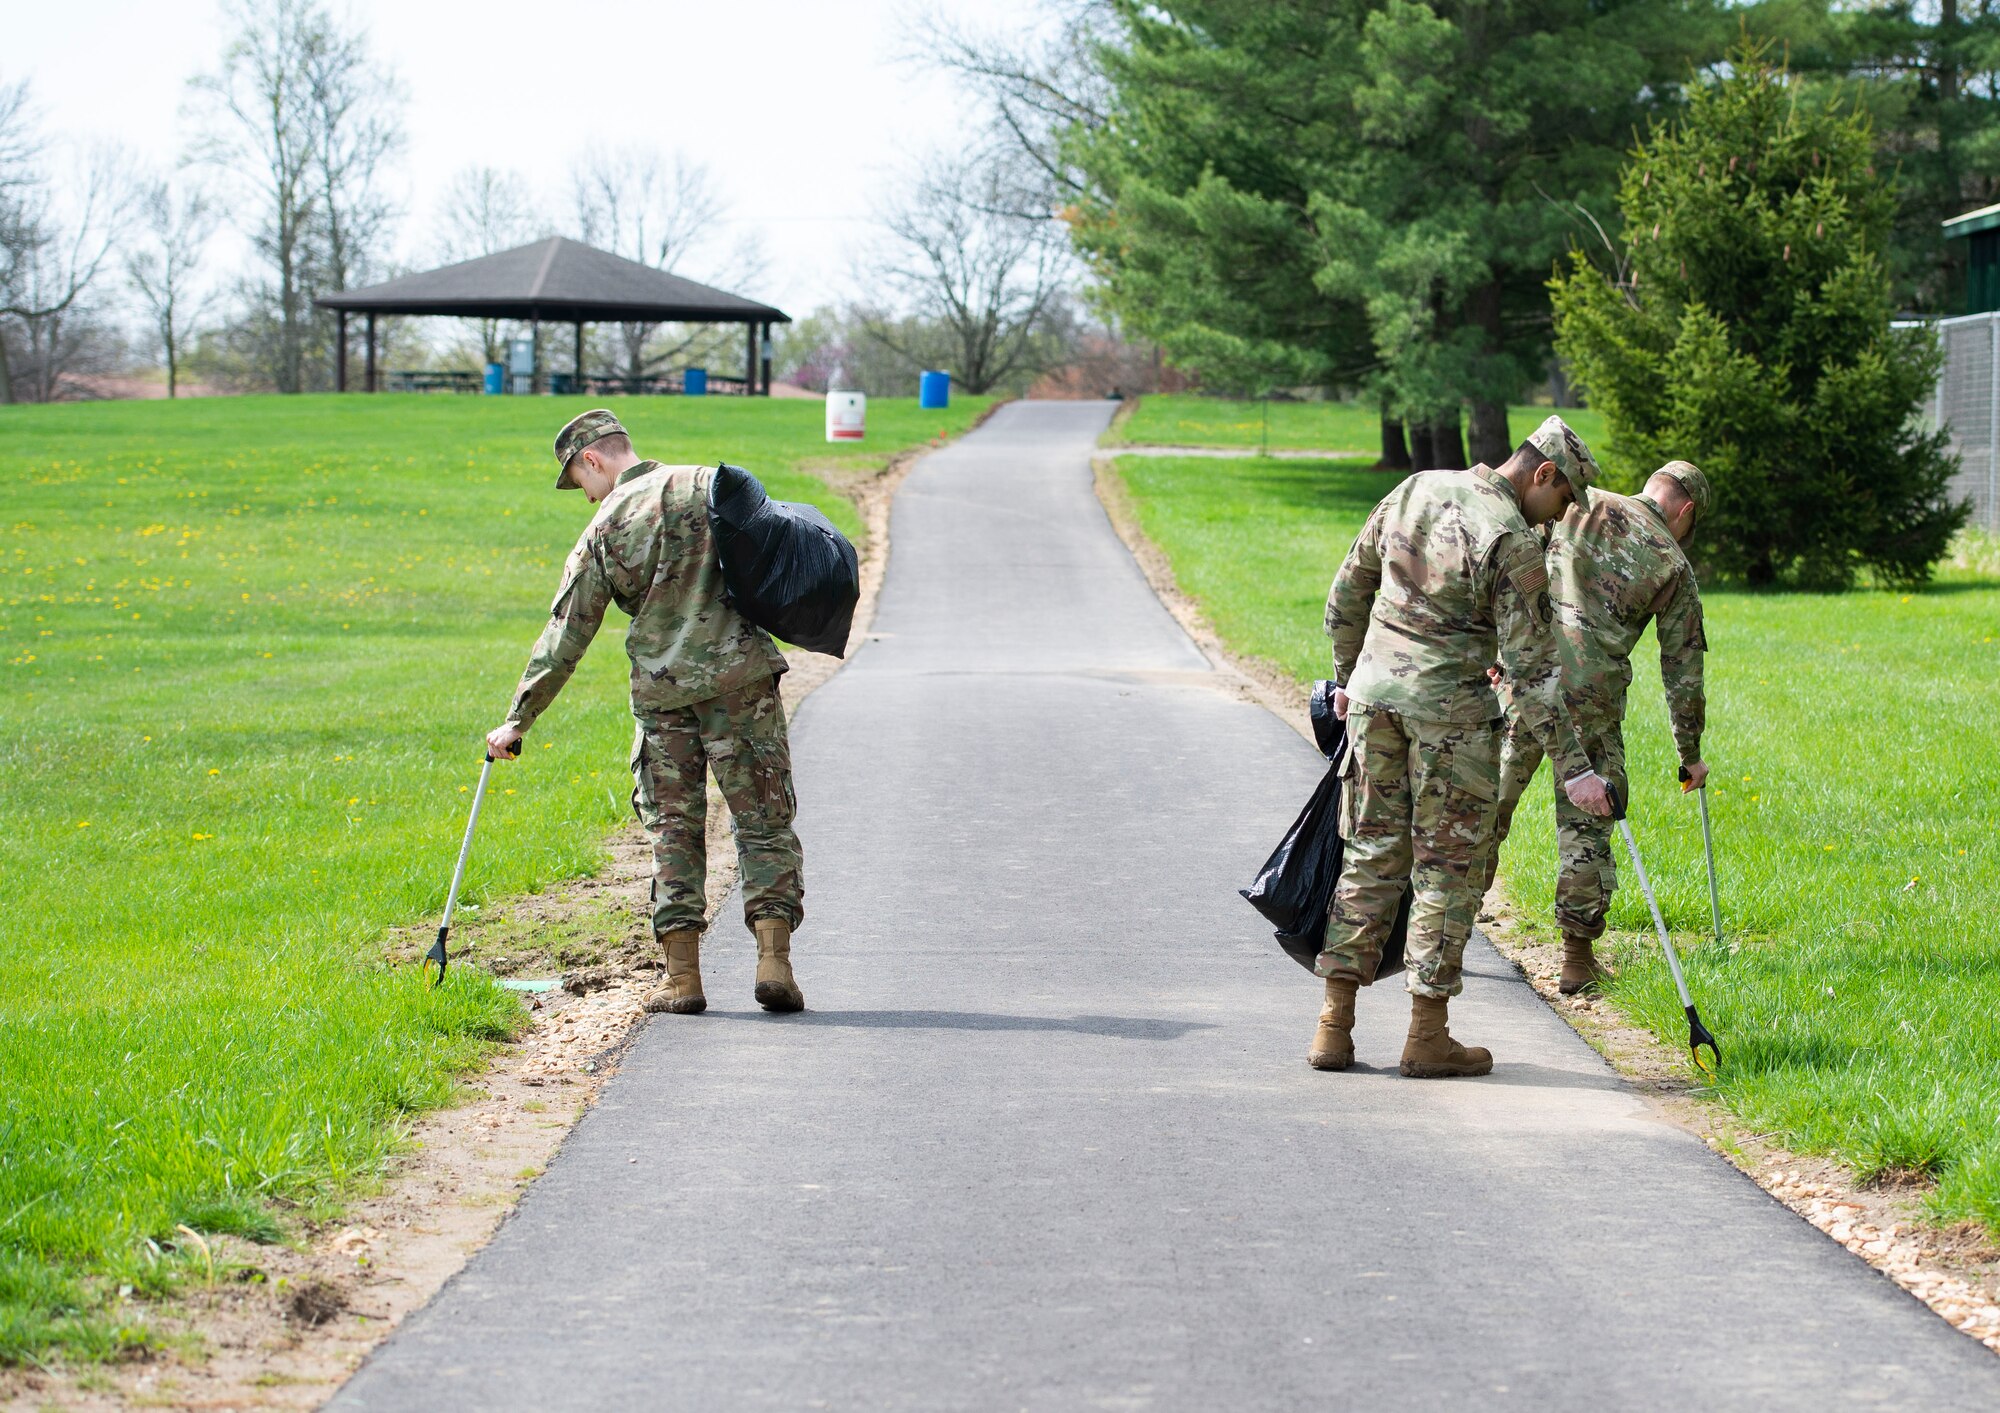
point(776, 990)
point(1580, 967)
point(1333, 1042)
point(1431, 1053)
point(681, 995)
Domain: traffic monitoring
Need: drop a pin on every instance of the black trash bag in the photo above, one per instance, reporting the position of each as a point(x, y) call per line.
point(1295, 887)
point(784, 566)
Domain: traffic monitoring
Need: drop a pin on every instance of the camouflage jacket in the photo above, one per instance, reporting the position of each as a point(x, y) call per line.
point(649, 550)
point(1444, 576)
point(1611, 572)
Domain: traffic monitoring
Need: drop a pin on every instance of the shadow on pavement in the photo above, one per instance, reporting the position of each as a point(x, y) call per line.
point(1505, 1072)
point(1512, 1072)
point(1114, 1027)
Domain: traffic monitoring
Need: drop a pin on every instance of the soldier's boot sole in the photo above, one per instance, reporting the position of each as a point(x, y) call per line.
point(1429, 1052)
point(776, 988)
point(1581, 971)
point(1333, 1042)
point(682, 994)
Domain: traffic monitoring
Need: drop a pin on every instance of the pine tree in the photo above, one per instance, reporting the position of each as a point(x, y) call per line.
point(1368, 192)
point(1746, 328)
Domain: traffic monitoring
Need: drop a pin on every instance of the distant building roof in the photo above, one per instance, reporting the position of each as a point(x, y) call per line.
point(1984, 219)
point(559, 280)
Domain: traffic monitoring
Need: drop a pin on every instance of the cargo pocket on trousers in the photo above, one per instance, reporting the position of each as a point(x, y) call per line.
point(772, 780)
point(1350, 787)
point(643, 802)
point(1475, 773)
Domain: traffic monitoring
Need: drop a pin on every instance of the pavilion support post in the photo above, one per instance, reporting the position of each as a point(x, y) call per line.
point(767, 360)
point(750, 359)
point(340, 352)
point(535, 356)
point(577, 367)
point(371, 350)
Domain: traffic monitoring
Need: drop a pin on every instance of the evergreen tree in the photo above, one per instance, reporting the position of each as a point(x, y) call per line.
point(1929, 76)
point(1221, 122)
point(1746, 327)
point(1368, 191)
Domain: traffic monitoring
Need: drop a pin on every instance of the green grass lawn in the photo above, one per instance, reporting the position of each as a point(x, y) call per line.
point(1185, 419)
point(249, 649)
point(1857, 784)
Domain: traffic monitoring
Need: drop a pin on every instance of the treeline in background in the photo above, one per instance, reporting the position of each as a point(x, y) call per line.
point(1702, 218)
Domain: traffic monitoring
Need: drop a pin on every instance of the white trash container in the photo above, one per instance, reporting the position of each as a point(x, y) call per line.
point(846, 416)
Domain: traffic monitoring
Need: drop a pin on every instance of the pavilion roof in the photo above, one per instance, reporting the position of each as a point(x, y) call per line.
point(561, 281)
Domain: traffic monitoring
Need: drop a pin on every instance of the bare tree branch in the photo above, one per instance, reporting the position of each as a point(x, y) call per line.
point(301, 121)
point(656, 210)
point(1041, 80)
point(956, 258)
point(164, 264)
point(57, 243)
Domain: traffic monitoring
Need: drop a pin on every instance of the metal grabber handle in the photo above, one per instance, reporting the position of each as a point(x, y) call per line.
point(1708, 848)
point(1698, 1035)
point(437, 952)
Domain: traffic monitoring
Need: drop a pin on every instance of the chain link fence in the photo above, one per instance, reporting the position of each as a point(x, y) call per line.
point(1967, 405)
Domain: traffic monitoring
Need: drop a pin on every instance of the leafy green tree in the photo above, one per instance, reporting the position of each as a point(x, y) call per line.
point(1217, 124)
point(1929, 76)
point(1745, 326)
point(1368, 191)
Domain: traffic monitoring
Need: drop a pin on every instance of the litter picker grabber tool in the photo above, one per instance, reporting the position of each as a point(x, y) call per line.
point(1698, 1035)
point(1708, 847)
point(437, 952)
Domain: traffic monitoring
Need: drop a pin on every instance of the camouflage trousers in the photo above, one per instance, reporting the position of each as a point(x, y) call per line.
point(740, 736)
point(1417, 803)
point(1586, 870)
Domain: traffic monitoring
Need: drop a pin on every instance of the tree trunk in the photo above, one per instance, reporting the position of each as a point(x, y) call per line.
point(1448, 443)
point(1423, 453)
point(1947, 55)
point(1395, 452)
point(1488, 433)
point(173, 367)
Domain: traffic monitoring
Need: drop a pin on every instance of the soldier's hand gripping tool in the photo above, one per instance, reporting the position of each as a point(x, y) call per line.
point(437, 952)
point(1698, 1035)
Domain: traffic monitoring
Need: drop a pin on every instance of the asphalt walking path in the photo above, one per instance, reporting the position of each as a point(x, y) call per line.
point(1046, 1138)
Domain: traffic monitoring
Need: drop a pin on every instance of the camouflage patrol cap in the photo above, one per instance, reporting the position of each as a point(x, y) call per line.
point(1688, 477)
point(580, 431)
point(1565, 448)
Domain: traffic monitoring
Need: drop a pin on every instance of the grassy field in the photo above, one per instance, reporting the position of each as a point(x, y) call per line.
point(249, 648)
point(1857, 781)
point(1188, 420)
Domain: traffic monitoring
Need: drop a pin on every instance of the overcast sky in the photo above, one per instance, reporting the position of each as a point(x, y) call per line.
point(801, 109)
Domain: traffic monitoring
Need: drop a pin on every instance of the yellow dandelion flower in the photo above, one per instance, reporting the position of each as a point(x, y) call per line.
point(85, 824)
point(199, 835)
point(215, 772)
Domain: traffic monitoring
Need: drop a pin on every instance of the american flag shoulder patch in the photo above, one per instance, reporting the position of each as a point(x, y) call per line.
point(1532, 580)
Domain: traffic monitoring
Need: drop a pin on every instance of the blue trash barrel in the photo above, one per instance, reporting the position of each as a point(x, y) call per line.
point(496, 378)
point(694, 382)
point(934, 390)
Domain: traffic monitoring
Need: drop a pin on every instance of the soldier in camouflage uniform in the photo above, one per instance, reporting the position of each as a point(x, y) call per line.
point(1613, 569)
point(1445, 574)
point(704, 690)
